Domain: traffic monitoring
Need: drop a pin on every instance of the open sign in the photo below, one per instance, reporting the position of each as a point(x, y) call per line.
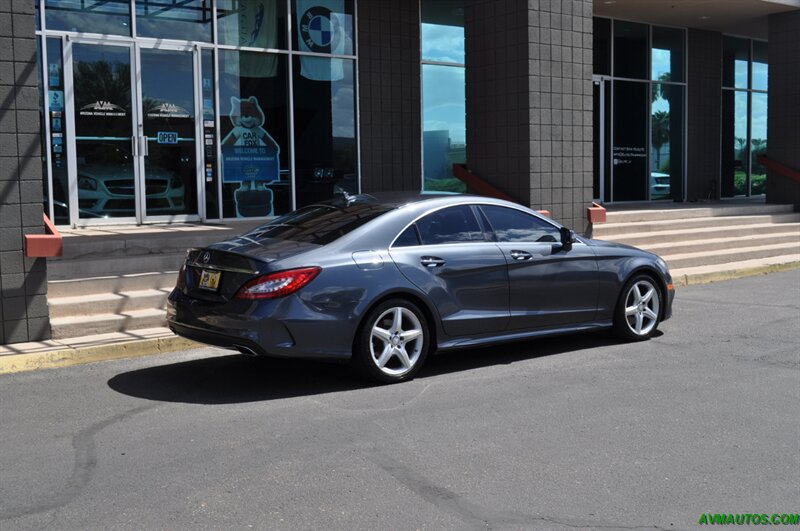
point(165, 137)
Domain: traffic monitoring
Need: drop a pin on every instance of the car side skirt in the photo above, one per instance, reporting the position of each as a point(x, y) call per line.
point(494, 339)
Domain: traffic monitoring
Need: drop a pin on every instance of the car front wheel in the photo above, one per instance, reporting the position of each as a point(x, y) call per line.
point(638, 311)
point(393, 343)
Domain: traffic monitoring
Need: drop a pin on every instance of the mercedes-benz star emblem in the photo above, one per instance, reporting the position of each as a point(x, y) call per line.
point(206, 257)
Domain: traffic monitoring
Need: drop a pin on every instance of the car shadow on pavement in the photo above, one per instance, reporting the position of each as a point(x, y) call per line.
point(235, 378)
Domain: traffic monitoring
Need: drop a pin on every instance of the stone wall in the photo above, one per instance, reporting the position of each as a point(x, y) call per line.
point(704, 115)
point(783, 112)
point(389, 91)
point(23, 281)
point(529, 101)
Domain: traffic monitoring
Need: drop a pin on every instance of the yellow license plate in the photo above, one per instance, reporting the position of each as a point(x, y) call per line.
point(209, 280)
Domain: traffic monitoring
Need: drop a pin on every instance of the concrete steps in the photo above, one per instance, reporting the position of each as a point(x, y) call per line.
point(118, 279)
point(711, 241)
point(627, 216)
point(634, 227)
point(84, 325)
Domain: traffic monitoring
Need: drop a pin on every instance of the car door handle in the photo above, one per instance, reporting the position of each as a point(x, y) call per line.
point(431, 261)
point(521, 255)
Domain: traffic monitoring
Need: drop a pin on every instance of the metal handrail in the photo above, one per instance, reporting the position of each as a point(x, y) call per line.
point(780, 169)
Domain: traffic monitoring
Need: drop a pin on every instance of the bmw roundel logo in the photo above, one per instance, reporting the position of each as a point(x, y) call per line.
point(206, 257)
point(319, 30)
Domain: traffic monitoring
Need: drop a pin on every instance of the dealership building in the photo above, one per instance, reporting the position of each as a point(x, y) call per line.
point(132, 112)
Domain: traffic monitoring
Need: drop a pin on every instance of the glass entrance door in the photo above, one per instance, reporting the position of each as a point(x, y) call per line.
point(103, 170)
point(136, 122)
point(169, 130)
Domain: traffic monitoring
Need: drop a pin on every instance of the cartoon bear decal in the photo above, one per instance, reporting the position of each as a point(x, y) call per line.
point(253, 168)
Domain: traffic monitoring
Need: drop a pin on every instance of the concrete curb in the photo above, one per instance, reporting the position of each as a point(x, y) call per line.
point(53, 355)
point(68, 355)
point(732, 274)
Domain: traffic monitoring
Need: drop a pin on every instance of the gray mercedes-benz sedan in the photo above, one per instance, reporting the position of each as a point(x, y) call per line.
point(383, 281)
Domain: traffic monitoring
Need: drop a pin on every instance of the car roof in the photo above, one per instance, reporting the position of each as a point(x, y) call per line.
point(397, 199)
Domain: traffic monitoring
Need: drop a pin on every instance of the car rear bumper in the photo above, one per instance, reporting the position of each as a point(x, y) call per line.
point(267, 329)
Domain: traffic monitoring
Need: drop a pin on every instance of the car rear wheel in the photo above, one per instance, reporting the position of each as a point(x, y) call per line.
point(393, 342)
point(638, 310)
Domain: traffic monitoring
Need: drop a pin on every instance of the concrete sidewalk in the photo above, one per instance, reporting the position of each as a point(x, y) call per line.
point(101, 347)
point(52, 354)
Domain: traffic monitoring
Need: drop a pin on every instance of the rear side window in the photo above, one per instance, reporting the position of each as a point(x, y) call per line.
point(407, 238)
point(450, 225)
point(512, 225)
point(319, 224)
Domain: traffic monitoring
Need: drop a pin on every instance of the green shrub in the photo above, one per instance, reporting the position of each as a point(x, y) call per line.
point(445, 185)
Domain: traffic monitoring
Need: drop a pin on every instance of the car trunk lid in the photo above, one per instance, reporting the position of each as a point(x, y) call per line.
point(217, 272)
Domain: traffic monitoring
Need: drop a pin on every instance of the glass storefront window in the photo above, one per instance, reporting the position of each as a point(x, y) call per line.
point(188, 20)
point(443, 31)
point(666, 139)
point(629, 151)
point(601, 36)
point(631, 50)
point(744, 116)
point(58, 132)
point(735, 148)
point(444, 136)
point(254, 134)
point(758, 143)
point(103, 131)
point(210, 171)
point(760, 66)
point(323, 26)
point(109, 17)
point(444, 130)
point(325, 128)
point(735, 57)
point(168, 101)
point(667, 54)
point(252, 23)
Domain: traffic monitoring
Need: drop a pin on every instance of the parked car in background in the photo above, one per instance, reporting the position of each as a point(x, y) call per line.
point(659, 185)
point(384, 281)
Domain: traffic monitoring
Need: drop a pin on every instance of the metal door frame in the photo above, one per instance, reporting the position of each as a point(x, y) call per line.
point(137, 128)
point(142, 217)
point(601, 137)
point(71, 140)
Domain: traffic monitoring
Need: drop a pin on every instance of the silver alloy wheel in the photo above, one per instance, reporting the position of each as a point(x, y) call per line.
point(396, 341)
point(642, 304)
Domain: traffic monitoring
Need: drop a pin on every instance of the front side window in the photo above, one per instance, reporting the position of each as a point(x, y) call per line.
point(512, 225)
point(450, 225)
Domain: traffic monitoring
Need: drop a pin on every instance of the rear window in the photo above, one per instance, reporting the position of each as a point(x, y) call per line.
point(319, 224)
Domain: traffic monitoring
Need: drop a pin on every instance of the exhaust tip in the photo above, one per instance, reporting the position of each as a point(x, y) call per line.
point(247, 351)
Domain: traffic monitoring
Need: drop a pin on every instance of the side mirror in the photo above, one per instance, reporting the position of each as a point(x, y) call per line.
point(567, 236)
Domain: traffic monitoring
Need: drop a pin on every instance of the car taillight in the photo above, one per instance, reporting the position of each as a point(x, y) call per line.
point(181, 277)
point(279, 284)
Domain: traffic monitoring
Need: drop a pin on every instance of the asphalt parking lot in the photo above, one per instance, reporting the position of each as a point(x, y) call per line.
point(567, 432)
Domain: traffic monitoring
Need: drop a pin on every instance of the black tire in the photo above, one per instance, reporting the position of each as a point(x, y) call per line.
point(638, 310)
point(370, 349)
